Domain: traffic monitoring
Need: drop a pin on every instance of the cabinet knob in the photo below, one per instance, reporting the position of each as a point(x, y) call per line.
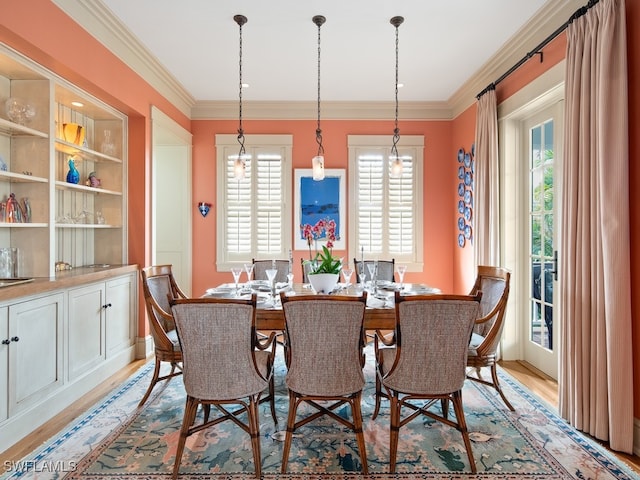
point(15, 339)
point(106, 306)
point(6, 341)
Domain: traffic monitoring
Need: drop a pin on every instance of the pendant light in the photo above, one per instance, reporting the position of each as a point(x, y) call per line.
point(317, 162)
point(240, 166)
point(396, 161)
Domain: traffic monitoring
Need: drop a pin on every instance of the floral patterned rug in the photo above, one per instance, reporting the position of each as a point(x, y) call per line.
point(115, 440)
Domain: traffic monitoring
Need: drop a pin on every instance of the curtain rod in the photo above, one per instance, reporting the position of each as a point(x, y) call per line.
point(537, 50)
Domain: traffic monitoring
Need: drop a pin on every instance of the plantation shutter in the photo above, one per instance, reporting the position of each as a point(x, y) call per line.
point(401, 211)
point(253, 218)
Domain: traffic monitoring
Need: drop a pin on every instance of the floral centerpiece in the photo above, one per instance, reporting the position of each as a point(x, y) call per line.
point(324, 261)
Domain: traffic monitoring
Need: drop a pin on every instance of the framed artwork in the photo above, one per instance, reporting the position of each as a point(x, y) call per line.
point(317, 200)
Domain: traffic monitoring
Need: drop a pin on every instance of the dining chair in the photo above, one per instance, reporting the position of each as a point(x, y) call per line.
point(158, 284)
point(222, 367)
point(427, 363)
point(324, 355)
point(261, 267)
point(306, 268)
point(386, 269)
point(487, 333)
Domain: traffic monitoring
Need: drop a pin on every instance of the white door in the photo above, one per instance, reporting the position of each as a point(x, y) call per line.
point(171, 203)
point(541, 151)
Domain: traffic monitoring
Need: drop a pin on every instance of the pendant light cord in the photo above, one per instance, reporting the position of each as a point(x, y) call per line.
point(396, 22)
point(319, 21)
point(240, 20)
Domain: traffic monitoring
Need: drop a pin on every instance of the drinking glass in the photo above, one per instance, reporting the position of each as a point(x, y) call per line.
point(236, 272)
point(346, 274)
point(248, 267)
point(362, 274)
point(401, 269)
point(373, 272)
point(271, 275)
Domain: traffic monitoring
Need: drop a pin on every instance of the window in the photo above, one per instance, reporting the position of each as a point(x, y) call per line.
point(385, 217)
point(254, 214)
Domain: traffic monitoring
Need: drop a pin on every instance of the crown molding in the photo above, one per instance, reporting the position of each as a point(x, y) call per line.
point(255, 110)
point(99, 22)
point(546, 21)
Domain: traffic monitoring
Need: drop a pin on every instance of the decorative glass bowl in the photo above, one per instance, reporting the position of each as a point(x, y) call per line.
point(19, 111)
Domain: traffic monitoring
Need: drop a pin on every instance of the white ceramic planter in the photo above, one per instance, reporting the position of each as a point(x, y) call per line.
point(323, 282)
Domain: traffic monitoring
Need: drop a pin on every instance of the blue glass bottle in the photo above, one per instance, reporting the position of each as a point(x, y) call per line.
point(73, 176)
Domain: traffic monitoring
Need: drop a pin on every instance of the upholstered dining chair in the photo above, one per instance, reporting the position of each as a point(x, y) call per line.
point(158, 284)
point(260, 268)
point(306, 268)
point(483, 348)
point(428, 362)
point(324, 354)
point(222, 367)
point(386, 269)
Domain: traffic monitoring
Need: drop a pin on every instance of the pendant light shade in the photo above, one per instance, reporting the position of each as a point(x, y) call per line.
point(317, 162)
point(396, 160)
point(240, 166)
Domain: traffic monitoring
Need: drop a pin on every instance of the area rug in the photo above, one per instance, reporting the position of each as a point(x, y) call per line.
point(117, 440)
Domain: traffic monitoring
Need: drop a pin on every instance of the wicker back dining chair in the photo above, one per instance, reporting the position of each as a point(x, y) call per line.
point(386, 269)
point(306, 268)
point(222, 367)
point(158, 284)
point(428, 362)
point(324, 355)
point(493, 282)
point(260, 268)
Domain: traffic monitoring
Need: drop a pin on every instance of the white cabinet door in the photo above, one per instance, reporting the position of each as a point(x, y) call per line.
point(120, 314)
point(35, 351)
point(5, 341)
point(86, 329)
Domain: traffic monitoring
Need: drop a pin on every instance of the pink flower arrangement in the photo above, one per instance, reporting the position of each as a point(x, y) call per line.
point(323, 261)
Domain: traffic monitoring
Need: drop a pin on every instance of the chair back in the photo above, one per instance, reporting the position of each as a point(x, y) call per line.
point(325, 338)
point(306, 268)
point(158, 284)
point(217, 337)
point(493, 282)
point(386, 269)
point(260, 268)
point(432, 340)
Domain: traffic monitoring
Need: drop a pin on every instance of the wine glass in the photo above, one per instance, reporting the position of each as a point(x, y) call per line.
point(236, 272)
point(271, 275)
point(373, 272)
point(362, 274)
point(346, 274)
point(401, 269)
point(248, 267)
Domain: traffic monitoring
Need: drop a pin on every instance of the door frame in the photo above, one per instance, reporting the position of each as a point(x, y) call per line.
point(542, 92)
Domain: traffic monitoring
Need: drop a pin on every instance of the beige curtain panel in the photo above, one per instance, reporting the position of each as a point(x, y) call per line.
point(486, 208)
point(595, 379)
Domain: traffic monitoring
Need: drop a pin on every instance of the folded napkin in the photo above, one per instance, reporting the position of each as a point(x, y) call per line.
point(373, 302)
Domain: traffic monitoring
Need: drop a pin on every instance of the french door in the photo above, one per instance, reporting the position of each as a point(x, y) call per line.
point(542, 154)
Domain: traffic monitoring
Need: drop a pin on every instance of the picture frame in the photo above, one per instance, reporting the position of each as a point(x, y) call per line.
point(317, 199)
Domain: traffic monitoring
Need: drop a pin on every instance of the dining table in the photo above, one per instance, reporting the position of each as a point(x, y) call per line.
point(380, 313)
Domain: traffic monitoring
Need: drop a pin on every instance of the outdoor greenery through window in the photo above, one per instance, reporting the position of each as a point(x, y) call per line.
point(385, 214)
point(254, 214)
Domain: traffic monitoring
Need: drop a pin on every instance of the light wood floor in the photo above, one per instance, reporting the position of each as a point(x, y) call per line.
point(541, 385)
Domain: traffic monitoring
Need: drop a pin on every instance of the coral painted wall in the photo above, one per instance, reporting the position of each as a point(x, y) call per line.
point(438, 247)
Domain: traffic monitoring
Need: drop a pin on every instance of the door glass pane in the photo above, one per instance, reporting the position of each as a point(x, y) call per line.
point(541, 177)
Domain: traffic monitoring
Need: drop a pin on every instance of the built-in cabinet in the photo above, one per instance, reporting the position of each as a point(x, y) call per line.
point(53, 221)
point(57, 345)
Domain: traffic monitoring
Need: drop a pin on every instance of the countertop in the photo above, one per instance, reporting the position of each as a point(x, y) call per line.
point(65, 279)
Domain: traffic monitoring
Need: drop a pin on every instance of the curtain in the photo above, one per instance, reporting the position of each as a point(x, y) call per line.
point(486, 192)
point(595, 378)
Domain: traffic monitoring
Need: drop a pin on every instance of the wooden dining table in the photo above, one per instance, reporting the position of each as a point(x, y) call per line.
point(375, 318)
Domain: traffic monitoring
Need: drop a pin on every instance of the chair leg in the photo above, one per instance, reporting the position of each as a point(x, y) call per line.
point(462, 426)
point(394, 427)
point(357, 426)
point(190, 409)
point(291, 421)
point(272, 400)
point(254, 433)
point(376, 409)
point(154, 380)
point(496, 384)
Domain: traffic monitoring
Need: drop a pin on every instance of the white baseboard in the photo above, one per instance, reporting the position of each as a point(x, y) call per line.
point(144, 347)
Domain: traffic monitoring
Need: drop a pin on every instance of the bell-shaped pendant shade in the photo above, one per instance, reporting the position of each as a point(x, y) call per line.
point(317, 163)
point(239, 168)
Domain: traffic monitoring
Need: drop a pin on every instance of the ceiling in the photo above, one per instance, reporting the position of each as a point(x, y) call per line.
point(442, 44)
